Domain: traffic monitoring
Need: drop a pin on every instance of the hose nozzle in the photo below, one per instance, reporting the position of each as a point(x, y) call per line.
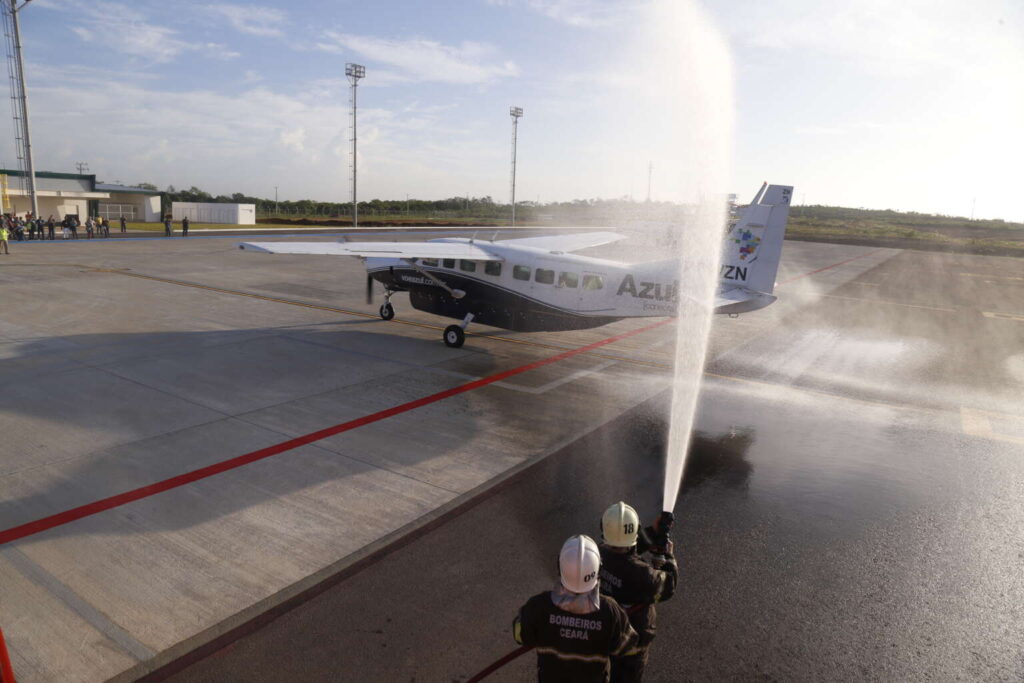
point(662, 530)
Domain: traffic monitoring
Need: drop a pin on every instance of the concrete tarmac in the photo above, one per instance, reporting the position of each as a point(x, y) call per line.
point(127, 364)
point(852, 509)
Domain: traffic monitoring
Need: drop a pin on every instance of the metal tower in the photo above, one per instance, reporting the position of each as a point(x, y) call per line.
point(354, 73)
point(19, 99)
point(515, 113)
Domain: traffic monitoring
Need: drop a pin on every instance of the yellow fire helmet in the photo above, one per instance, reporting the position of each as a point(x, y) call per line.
point(620, 525)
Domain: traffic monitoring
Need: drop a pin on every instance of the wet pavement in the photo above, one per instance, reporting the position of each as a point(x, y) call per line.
point(853, 509)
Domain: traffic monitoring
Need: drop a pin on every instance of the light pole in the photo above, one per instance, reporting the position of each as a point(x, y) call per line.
point(275, 200)
point(515, 113)
point(354, 73)
point(21, 102)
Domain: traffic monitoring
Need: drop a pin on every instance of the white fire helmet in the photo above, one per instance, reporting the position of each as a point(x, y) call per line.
point(620, 525)
point(578, 563)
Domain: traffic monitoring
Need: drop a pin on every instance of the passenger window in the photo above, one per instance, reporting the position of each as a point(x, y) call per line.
point(568, 280)
point(544, 276)
point(592, 282)
point(448, 263)
point(492, 268)
point(521, 272)
point(429, 262)
point(468, 266)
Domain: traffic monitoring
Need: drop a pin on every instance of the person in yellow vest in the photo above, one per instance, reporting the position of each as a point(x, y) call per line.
point(4, 234)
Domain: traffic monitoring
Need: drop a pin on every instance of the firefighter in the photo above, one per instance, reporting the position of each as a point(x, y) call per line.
point(574, 628)
point(636, 583)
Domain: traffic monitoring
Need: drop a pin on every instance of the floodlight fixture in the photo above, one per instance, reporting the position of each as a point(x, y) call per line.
point(515, 112)
point(354, 73)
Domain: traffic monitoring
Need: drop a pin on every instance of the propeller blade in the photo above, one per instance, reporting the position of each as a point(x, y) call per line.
point(369, 289)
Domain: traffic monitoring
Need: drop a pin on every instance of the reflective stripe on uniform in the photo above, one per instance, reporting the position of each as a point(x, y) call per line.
point(573, 657)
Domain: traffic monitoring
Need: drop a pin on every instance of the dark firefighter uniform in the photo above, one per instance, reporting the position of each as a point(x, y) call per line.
point(637, 586)
point(573, 647)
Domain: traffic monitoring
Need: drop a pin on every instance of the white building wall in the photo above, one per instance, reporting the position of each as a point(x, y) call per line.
point(151, 208)
point(196, 212)
point(49, 206)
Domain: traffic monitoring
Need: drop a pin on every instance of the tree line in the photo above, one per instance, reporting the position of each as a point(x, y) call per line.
point(453, 207)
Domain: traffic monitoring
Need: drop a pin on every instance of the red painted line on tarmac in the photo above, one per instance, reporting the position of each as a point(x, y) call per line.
point(6, 670)
point(89, 509)
point(834, 265)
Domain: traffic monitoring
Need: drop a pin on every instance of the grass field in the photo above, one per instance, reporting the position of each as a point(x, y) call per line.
point(906, 230)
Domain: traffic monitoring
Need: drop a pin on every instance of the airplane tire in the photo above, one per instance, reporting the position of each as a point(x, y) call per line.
point(387, 311)
point(454, 336)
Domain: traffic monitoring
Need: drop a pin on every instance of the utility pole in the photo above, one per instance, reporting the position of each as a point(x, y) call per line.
point(20, 95)
point(406, 204)
point(275, 200)
point(354, 72)
point(515, 113)
point(82, 167)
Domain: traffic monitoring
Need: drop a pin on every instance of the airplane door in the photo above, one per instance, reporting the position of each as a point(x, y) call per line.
point(593, 292)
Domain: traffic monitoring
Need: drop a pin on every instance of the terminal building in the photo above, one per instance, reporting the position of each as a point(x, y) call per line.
point(60, 194)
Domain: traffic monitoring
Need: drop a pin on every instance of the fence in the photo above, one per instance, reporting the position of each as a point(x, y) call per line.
point(115, 211)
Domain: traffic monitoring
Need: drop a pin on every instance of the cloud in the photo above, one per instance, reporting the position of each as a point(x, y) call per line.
point(257, 21)
point(293, 139)
point(908, 39)
point(424, 60)
point(235, 141)
point(220, 51)
point(578, 13)
point(133, 34)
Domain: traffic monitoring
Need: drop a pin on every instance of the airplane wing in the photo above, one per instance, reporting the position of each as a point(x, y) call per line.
point(457, 250)
point(565, 242)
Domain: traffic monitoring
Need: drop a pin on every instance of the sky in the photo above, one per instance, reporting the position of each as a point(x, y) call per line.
point(916, 105)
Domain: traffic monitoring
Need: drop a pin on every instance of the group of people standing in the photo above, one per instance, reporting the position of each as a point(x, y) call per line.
point(28, 228)
point(599, 621)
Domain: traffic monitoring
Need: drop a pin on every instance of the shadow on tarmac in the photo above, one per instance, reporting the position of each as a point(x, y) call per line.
point(197, 380)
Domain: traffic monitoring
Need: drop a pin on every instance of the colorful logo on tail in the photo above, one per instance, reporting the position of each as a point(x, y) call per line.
point(748, 242)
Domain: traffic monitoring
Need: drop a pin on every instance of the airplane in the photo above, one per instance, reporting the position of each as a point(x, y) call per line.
point(535, 284)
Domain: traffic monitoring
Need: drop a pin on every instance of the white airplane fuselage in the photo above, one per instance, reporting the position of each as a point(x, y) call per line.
point(534, 289)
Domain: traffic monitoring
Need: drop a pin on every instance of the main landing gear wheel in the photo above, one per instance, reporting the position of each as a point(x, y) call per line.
point(454, 336)
point(387, 311)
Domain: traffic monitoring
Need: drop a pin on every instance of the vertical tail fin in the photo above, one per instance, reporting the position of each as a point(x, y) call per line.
point(750, 257)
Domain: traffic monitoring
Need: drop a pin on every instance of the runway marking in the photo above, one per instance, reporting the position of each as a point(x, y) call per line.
point(834, 265)
point(1003, 316)
point(67, 516)
point(993, 277)
point(979, 423)
point(890, 303)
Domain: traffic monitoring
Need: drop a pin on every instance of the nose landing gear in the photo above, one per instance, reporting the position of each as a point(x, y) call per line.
point(387, 311)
